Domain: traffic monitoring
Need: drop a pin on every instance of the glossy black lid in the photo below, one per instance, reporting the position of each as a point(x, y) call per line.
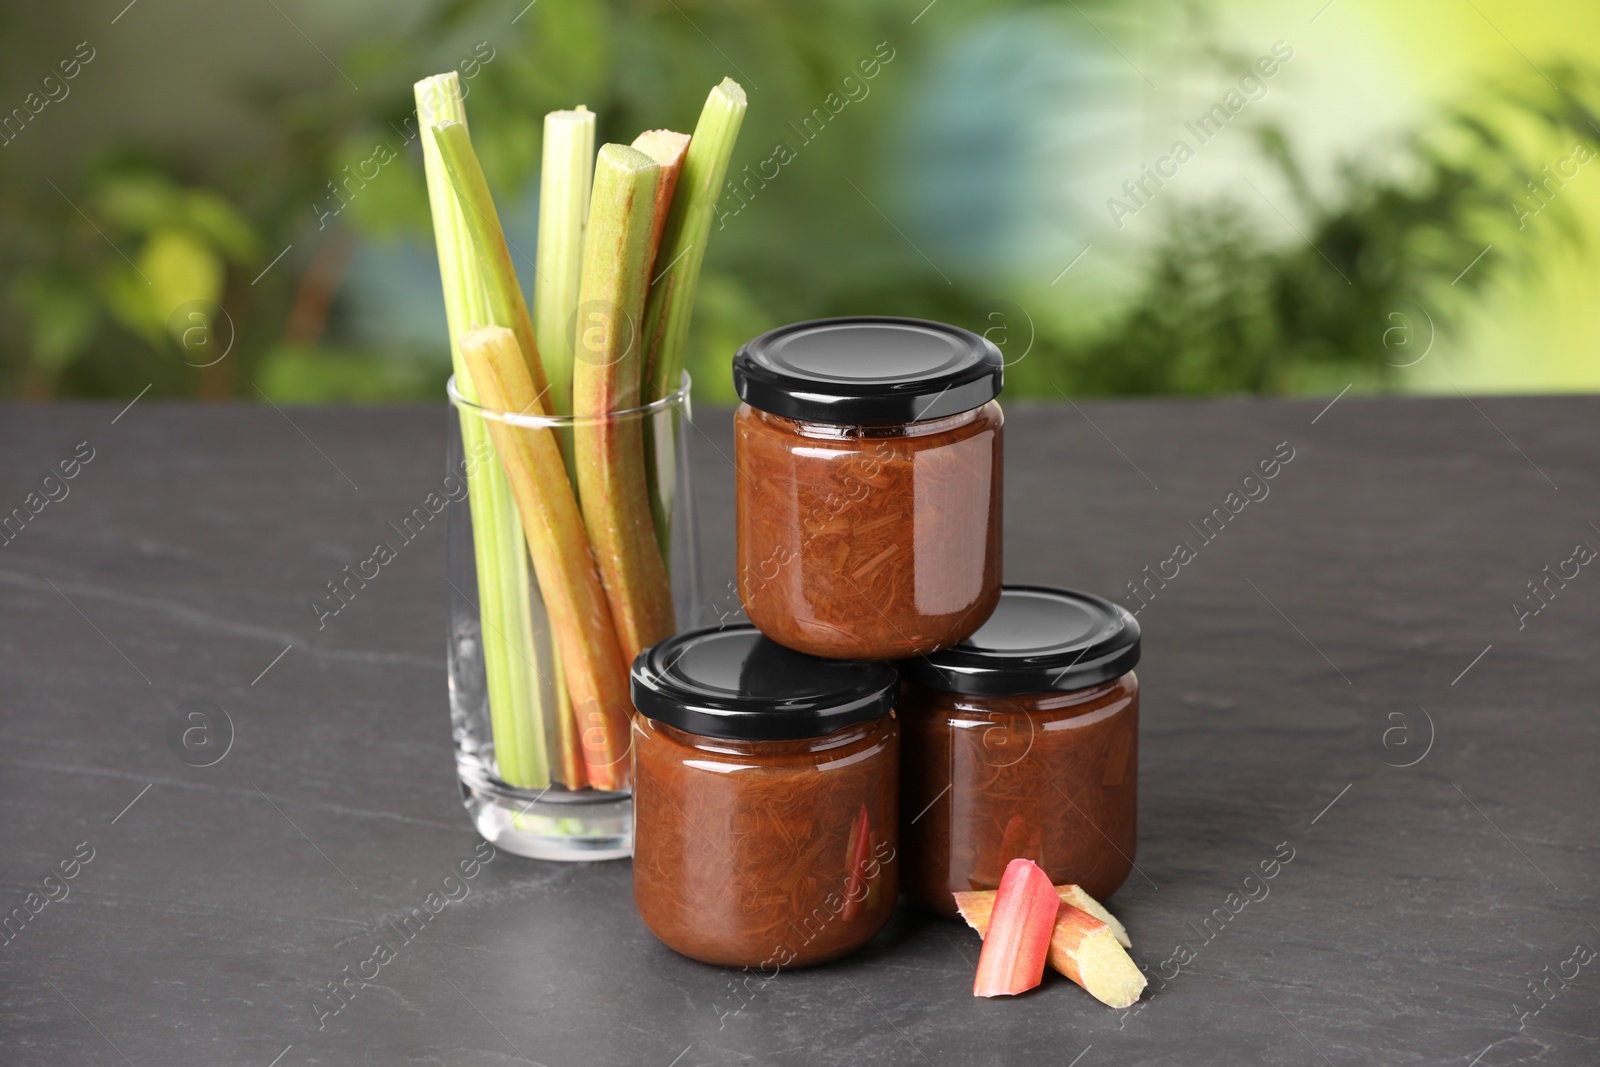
point(1039, 640)
point(867, 369)
point(734, 683)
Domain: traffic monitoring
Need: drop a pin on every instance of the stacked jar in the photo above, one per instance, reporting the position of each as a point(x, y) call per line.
point(772, 827)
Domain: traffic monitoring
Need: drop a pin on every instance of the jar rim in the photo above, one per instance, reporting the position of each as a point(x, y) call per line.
point(677, 398)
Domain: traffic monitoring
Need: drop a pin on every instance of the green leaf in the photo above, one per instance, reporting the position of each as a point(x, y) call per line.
point(61, 317)
point(213, 216)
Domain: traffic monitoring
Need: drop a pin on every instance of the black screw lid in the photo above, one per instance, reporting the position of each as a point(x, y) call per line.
point(867, 370)
point(735, 683)
point(1039, 640)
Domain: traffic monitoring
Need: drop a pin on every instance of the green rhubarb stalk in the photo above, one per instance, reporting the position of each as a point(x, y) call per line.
point(667, 148)
point(576, 603)
point(515, 687)
point(566, 170)
point(683, 244)
point(504, 295)
point(564, 177)
point(675, 275)
point(609, 452)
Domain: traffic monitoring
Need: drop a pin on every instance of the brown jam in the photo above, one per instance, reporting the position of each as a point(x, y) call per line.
point(1022, 742)
point(752, 853)
point(1049, 777)
point(868, 542)
point(766, 799)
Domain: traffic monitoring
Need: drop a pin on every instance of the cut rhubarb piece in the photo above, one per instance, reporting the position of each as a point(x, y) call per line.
point(1077, 898)
point(857, 852)
point(1085, 950)
point(1017, 935)
point(1069, 894)
point(1081, 947)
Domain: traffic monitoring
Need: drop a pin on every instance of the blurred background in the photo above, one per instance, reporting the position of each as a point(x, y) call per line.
point(226, 201)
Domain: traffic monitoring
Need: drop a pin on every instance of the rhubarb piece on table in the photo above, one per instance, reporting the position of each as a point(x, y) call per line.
point(1085, 950)
point(1077, 898)
point(1081, 947)
point(1018, 932)
point(1069, 894)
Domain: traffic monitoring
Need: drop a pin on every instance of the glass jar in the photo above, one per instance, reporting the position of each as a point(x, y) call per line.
point(868, 453)
point(1023, 742)
point(543, 760)
point(765, 793)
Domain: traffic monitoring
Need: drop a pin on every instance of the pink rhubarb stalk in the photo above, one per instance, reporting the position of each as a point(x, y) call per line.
point(666, 147)
point(857, 854)
point(1018, 940)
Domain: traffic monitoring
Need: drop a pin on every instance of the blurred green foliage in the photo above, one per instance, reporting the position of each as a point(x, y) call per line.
point(1222, 309)
point(303, 268)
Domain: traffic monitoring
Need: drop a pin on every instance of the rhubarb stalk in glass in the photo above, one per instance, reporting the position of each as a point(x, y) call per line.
point(515, 694)
point(683, 242)
point(580, 617)
point(566, 172)
point(609, 453)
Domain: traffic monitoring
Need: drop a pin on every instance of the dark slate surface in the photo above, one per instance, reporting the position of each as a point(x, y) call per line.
point(1420, 902)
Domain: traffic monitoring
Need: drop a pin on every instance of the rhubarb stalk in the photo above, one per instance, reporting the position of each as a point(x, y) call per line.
point(566, 170)
point(982, 900)
point(506, 306)
point(858, 853)
point(609, 452)
point(1075, 896)
point(1082, 947)
point(580, 617)
point(667, 148)
point(683, 242)
point(1018, 935)
point(565, 173)
point(514, 691)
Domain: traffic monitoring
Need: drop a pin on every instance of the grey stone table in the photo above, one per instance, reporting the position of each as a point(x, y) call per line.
point(1337, 681)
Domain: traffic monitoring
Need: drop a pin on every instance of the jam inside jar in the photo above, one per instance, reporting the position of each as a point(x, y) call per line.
point(869, 455)
point(1023, 742)
point(765, 800)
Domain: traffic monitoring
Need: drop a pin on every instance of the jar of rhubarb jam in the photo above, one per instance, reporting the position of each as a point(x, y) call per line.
point(765, 798)
point(1022, 742)
point(868, 501)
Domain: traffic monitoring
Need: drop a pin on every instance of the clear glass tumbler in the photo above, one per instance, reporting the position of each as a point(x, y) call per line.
point(543, 761)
